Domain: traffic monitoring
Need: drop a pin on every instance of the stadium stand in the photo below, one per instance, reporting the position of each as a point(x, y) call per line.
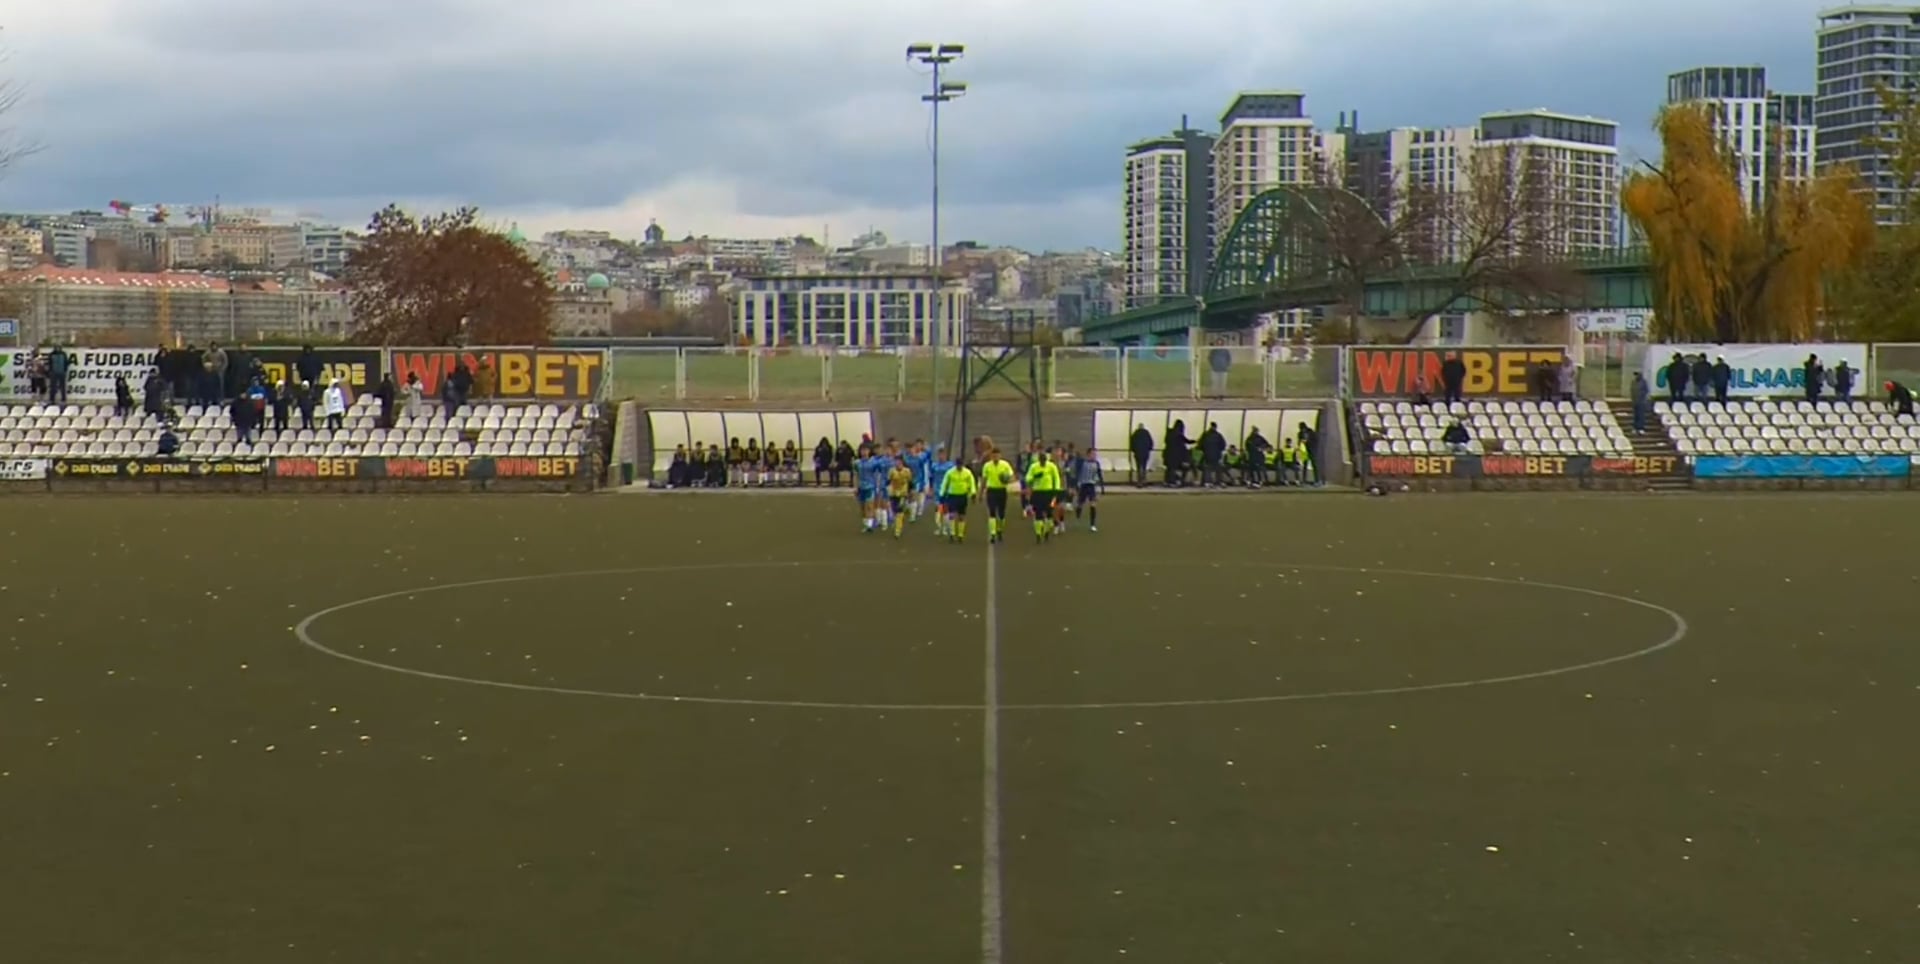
point(1580, 427)
point(1789, 428)
point(1113, 428)
point(671, 429)
point(93, 431)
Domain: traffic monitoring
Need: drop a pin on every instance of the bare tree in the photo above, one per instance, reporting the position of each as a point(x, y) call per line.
point(1497, 242)
point(13, 146)
point(1374, 224)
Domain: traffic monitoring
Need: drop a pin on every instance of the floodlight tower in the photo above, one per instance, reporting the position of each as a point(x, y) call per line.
point(937, 56)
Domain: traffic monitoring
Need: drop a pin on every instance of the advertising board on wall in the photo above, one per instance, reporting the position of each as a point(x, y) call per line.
point(357, 368)
point(1802, 467)
point(22, 470)
point(1762, 371)
point(1518, 466)
point(150, 469)
point(90, 371)
point(427, 470)
point(520, 374)
point(1491, 372)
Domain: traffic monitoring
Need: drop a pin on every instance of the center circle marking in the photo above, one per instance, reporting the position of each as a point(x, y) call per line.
point(303, 632)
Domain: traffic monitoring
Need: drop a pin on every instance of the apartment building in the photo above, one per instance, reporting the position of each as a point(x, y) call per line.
point(1576, 161)
point(1167, 216)
point(1267, 140)
point(1859, 49)
point(1386, 168)
point(1769, 136)
point(854, 310)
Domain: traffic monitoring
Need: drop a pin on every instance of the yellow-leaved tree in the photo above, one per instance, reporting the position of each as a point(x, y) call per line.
point(1723, 269)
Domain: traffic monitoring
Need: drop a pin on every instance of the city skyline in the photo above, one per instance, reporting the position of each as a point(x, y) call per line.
point(588, 115)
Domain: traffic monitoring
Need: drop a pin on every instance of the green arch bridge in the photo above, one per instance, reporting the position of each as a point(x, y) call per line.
point(1276, 257)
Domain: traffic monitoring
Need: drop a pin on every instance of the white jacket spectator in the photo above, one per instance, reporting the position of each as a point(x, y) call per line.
point(336, 402)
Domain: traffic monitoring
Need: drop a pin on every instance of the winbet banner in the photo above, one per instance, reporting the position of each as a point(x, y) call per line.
point(357, 368)
point(90, 371)
point(1762, 371)
point(1491, 372)
point(429, 470)
point(520, 374)
point(1517, 466)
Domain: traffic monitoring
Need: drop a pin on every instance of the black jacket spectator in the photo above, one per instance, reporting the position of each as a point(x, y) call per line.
point(1453, 377)
point(1899, 399)
point(1722, 379)
point(1842, 380)
point(154, 400)
point(308, 365)
point(1702, 376)
point(1815, 375)
point(1677, 374)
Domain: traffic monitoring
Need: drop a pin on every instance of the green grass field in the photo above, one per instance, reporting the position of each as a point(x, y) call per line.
point(861, 379)
point(183, 780)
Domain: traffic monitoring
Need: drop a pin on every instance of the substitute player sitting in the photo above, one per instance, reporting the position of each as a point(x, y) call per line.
point(899, 493)
point(957, 489)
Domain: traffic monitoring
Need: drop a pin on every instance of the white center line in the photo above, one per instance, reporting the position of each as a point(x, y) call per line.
point(992, 945)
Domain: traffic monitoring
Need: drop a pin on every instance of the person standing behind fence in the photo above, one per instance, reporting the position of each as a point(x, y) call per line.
point(1677, 375)
point(1453, 378)
point(336, 406)
point(1219, 360)
point(1814, 373)
point(1842, 381)
point(59, 363)
point(1642, 403)
point(1722, 379)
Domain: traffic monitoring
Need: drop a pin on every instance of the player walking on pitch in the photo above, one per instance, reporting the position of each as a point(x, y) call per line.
point(1089, 481)
point(937, 470)
point(996, 475)
point(957, 488)
point(1043, 487)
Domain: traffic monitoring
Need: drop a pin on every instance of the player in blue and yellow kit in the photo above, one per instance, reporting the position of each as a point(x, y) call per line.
point(900, 492)
point(937, 469)
point(918, 460)
point(871, 470)
point(957, 489)
point(1043, 487)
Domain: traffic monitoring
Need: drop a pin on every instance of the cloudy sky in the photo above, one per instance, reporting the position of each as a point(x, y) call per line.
point(761, 117)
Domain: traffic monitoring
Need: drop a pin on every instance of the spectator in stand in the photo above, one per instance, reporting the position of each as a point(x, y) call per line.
point(1174, 451)
point(1422, 394)
point(823, 462)
point(1546, 381)
point(1842, 381)
point(37, 375)
point(122, 396)
point(58, 364)
point(386, 394)
point(1213, 453)
point(260, 398)
point(304, 398)
point(1700, 376)
point(181, 363)
point(416, 396)
point(1814, 373)
point(486, 380)
point(462, 381)
point(336, 404)
point(1568, 379)
point(213, 383)
point(169, 442)
point(1456, 438)
point(282, 404)
point(1140, 446)
point(1899, 399)
point(449, 398)
point(154, 400)
point(1642, 403)
point(1453, 378)
point(308, 366)
point(1677, 374)
point(1722, 379)
point(242, 411)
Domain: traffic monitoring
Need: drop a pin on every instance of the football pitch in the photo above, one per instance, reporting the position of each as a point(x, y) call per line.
point(714, 728)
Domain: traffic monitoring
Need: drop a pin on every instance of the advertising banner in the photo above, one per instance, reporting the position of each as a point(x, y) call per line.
point(357, 368)
point(1632, 322)
point(90, 371)
point(147, 469)
point(1802, 467)
point(1491, 372)
point(520, 374)
point(1762, 371)
point(430, 470)
point(1518, 466)
point(19, 470)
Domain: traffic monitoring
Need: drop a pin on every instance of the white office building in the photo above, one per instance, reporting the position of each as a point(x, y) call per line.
point(1860, 48)
point(1267, 141)
point(1769, 135)
point(1580, 159)
point(854, 310)
point(1167, 205)
point(1384, 168)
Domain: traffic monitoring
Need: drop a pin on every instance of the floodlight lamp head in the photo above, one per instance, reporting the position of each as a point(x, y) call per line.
point(952, 50)
point(952, 88)
point(919, 50)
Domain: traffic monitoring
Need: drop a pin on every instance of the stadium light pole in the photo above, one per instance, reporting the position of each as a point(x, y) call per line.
point(937, 56)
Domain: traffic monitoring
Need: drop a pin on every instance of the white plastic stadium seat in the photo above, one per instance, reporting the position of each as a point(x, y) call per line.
point(1769, 427)
point(1519, 427)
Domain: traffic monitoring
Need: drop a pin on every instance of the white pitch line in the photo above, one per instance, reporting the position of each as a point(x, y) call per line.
point(992, 906)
